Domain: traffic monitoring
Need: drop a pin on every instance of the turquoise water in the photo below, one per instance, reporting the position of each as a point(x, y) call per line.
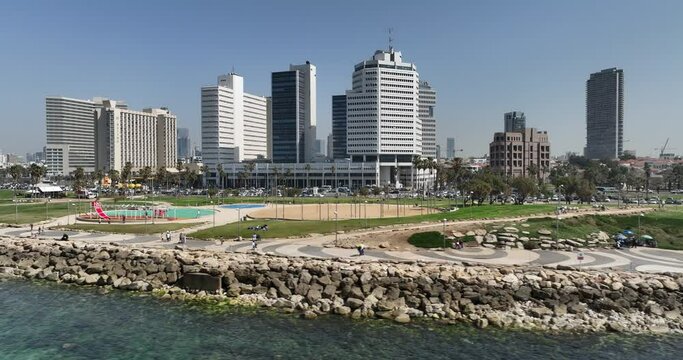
point(242, 206)
point(182, 213)
point(48, 321)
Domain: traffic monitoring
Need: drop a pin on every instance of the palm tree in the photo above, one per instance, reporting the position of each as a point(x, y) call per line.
point(205, 172)
point(114, 176)
point(308, 170)
point(221, 173)
point(16, 172)
point(413, 171)
point(36, 172)
point(162, 175)
point(249, 168)
point(180, 167)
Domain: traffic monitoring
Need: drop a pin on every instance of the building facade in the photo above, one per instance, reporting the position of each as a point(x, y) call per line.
point(605, 114)
point(383, 122)
point(450, 148)
point(184, 145)
point(515, 121)
point(339, 127)
point(294, 114)
point(515, 153)
point(234, 123)
point(143, 138)
point(427, 100)
point(70, 127)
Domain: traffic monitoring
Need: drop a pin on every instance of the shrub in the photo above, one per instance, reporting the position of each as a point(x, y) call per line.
point(428, 239)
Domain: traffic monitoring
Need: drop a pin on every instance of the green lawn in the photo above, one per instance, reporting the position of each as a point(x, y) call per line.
point(29, 213)
point(665, 226)
point(279, 229)
point(6, 194)
point(131, 229)
point(429, 239)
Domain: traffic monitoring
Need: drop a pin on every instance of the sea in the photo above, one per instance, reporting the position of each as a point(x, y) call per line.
point(42, 320)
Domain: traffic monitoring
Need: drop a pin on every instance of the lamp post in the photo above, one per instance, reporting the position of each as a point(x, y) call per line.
point(336, 231)
point(640, 216)
point(239, 220)
point(16, 210)
point(444, 233)
point(47, 202)
point(365, 209)
point(214, 213)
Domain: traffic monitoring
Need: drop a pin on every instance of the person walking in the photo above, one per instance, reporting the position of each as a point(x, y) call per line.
point(31, 228)
point(253, 242)
point(168, 236)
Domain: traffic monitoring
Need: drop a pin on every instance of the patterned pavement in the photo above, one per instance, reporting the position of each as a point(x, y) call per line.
point(636, 259)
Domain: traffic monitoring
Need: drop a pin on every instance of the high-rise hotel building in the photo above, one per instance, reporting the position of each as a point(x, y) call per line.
point(427, 100)
point(70, 125)
point(234, 123)
point(605, 114)
point(383, 118)
point(143, 138)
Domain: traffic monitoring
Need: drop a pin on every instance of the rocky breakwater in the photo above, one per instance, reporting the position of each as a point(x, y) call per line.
point(523, 297)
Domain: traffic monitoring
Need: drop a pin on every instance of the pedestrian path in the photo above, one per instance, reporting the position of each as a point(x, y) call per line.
point(636, 259)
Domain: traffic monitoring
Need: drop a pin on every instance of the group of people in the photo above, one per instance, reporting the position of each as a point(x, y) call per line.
point(263, 227)
point(182, 238)
point(40, 230)
point(458, 245)
point(254, 238)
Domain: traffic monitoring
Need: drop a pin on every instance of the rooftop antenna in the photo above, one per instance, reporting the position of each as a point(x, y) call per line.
point(391, 39)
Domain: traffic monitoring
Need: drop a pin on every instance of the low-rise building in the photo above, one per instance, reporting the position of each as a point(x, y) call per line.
point(515, 153)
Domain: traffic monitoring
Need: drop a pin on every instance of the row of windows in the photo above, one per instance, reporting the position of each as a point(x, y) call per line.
point(397, 109)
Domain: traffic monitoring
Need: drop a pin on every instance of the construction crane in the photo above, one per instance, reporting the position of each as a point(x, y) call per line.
point(663, 148)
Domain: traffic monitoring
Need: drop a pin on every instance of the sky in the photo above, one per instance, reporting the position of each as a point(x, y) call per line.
point(483, 57)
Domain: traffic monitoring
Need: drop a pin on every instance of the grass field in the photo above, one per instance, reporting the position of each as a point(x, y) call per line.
point(131, 229)
point(29, 213)
point(280, 229)
point(666, 226)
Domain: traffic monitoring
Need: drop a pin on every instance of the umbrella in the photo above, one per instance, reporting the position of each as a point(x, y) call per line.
point(620, 237)
point(627, 232)
point(646, 237)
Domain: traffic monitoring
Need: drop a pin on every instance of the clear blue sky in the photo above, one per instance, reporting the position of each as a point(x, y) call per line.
point(483, 57)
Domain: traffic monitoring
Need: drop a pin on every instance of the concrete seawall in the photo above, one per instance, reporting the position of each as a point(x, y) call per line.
point(525, 297)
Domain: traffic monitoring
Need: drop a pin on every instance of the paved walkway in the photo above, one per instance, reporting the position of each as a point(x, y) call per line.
point(638, 259)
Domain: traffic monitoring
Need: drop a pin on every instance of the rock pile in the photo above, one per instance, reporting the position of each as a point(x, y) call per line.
point(538, 298)
point(509, 237)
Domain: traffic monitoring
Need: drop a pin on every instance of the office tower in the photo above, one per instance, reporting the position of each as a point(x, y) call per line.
point(320, 147)
point(234, 123)
point(427, 102)
point(143, 138)
point(515, 121)
point(513, 153)
point(438, 152)
point(338, 127)
point(605, 114)
point(382, 111)
point(450, 148)
point(184, 146)
point(330, 146)
point(269, 121)
point(294, 114)
point(70, 125)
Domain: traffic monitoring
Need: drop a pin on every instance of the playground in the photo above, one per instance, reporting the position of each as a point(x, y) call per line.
point(137, 213)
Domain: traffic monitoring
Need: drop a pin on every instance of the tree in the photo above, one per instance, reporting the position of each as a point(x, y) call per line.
point(221, 174)
point(205, 172)
point(585, 190)
point(79, 178)
point(525, 187)
point(249, 168)
point(648, 174)
point(162, 175)
point(114, 176)
point(479, 189)
point(36, 172)
point(16, 172)
point(145, 173)
point(180, 166)
point(126, 172)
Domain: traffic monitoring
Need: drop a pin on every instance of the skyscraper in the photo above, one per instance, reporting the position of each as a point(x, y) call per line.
point(294, 114)
point(515, 121)
point(383, 118)
point(184, 146)
point(143, 138)
point(234, 123)
point(605, 114)
point(338, 127)
point(70, 125)
point(450, 148)
point(427, 101)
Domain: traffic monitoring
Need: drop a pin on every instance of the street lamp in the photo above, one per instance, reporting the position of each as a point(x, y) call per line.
point(336, 231)
point(444, 233)
point(640, 216)
point(214, 213)
point(365, 208)
point(239, 220)
point(47, 217)
point(16, 210)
